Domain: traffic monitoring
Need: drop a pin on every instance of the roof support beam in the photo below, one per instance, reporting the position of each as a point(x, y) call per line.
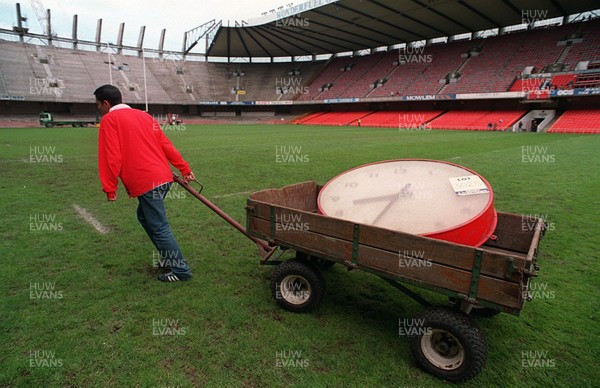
point(250, 34)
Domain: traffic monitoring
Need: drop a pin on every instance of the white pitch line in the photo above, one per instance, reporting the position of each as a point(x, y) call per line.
point(89, 217)
point(233, 194)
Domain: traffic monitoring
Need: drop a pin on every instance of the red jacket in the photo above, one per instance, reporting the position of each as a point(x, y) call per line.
point(131, 145)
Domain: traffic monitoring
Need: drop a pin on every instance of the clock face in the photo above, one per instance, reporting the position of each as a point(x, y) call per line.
point(414, 196)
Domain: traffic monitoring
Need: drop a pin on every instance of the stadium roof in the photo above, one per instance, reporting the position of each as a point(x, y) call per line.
point(349, 25)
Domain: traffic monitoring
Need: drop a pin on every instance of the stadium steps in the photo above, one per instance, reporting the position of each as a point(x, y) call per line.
point(329, 74)
point(308, 116)
point(373, 67)
point(458, 70)
point(336, 118)
point(563, 54)
point(398, 119)
point(387, 77)
point(463, 64)
point(343, 79)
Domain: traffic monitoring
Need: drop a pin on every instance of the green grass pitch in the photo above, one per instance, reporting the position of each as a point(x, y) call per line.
point(81, 308)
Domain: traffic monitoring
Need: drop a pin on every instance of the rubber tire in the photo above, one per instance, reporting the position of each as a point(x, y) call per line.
point(310, 274)
point(322, 264)
point(49, 125)
point(464, 330)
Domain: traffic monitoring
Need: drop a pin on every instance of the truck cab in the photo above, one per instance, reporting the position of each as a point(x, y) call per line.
point(46, 119)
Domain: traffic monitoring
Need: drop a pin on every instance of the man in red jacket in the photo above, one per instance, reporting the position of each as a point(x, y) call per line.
point(132, 146)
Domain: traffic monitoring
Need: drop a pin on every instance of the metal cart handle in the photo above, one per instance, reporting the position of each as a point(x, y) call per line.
point(265, 250)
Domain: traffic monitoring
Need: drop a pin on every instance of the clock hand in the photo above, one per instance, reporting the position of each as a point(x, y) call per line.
point(404, 192)
point(385, 209)
point(376, 199)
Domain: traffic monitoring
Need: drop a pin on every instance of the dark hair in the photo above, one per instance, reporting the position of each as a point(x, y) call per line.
point(108, 93)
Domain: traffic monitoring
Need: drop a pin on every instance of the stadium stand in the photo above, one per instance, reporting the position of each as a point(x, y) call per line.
point(477, 120)
point(528, 84)
point(563, 57)
point(587, 81)
point(343, 84)
point(398, 119)
point(577, 121)
point(336, 118)
point(563, 81)
point(77, 73)
point(588, 50)
point(444, 59)
point(332, 71)
point(364, 85)
point(504, 57)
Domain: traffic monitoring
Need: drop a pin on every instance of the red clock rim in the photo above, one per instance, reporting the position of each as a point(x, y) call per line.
point(443, 231)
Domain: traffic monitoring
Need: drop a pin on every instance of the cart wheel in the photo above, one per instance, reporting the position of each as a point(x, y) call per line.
point(297, 286)
point(49, 125)
point(321, 264)
point(448, 344)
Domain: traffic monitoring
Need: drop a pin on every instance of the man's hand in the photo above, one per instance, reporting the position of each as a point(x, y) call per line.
point(111, 196)
point(189, 177)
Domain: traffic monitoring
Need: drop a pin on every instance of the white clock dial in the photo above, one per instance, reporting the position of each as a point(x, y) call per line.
point(414, 196)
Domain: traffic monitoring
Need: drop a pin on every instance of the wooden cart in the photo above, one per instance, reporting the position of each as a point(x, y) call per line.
point(444, 340)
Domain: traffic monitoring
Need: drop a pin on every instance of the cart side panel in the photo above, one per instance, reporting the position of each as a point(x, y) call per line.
point(513, 232)
point(326, 247)
point(441, 252)
point(304, 234)
point(491, 289)
point(301, 196)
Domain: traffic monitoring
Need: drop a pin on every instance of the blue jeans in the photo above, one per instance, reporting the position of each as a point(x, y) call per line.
point(153, 217)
